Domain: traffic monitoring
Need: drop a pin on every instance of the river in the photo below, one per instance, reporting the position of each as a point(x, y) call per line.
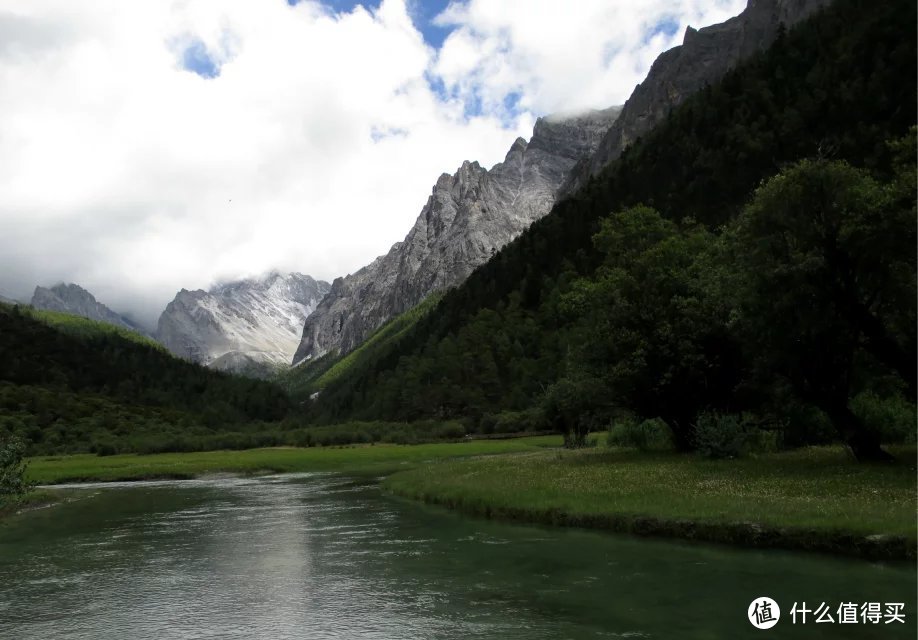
point(325, 556)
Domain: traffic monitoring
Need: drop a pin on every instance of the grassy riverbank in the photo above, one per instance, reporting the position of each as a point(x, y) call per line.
point(815, 498)
point(33, 500)
point(363, 459)
point(808, 499)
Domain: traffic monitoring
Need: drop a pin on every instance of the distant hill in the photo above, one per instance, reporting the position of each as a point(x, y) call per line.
point(85, 327)
point(71, 384)
point(75, 300)
point(311, 376)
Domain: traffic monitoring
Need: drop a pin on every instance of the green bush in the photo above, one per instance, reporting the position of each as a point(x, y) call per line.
point(517, 421)
point(894, 416)
point(452, 430)
point(574, 439)
point(644, 435)
point(103, 448)
point(798, 424)
point(722, 435)
point(12, 470)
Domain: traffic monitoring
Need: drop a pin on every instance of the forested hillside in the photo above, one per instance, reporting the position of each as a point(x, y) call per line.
point(313, 375)
point(68, 383)
point(753, 256)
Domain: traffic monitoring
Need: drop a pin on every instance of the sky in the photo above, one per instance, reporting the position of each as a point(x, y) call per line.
point(149, 146)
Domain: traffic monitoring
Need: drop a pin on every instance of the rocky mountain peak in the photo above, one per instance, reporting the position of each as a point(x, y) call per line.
point(74, 299)
point(468, 216)
point(241, 325)
point(471, 214)
point(704, 57)
point(519, 146)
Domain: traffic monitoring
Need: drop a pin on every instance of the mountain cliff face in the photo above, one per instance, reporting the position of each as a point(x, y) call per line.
point(469, 216)
point(241, 326)
point(75, 300)
point(474, 212)
point(704, 57)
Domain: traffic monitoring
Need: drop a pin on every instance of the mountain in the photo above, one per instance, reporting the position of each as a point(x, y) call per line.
point(243, 325)
point(840, 84)
point(72, 384)
point(75, 300)
point(468, 217)
point(704, 57)
point(474, 212)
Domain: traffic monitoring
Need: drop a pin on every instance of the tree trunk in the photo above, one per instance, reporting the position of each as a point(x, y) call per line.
point(682, 434)
point(863, 442)
point(884, 348)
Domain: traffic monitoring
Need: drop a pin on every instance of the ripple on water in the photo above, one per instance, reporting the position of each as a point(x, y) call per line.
point(321, 556)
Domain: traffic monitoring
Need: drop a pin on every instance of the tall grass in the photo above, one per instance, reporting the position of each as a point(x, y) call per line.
point(820, 495)
point(354, 459)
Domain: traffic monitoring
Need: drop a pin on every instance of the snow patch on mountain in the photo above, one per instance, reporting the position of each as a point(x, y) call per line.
point(234, 325)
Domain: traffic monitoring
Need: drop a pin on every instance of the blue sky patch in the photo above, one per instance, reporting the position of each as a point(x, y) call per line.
point(437, 85)
point(197, 59)
point(422, 14)
point(472, 107)
point(381, 133)
point(512, 101)
point(667, 26)
point(343, 6)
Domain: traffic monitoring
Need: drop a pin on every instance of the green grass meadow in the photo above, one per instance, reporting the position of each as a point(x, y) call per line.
point(375, 459)
point(817, 497)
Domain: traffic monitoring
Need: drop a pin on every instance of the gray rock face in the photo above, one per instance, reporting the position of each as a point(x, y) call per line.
point(75, 300)
point(241, 326)
point(253, 364)
point(474, 212)
point(704, 57)
point(468, 217)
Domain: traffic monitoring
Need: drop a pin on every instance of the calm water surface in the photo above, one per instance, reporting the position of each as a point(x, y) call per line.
point(324, 556)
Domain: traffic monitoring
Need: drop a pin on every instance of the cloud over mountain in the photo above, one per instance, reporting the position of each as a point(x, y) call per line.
point(149, 146)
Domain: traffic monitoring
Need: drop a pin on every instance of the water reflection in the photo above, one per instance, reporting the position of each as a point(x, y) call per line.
point(323, 556)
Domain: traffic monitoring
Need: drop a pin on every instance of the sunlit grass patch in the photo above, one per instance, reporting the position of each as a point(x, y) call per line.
point(810, 490)
point(363, 459)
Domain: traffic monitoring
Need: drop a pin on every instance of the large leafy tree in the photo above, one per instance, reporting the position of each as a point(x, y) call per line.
point(12, 470)
point(653, 326)
point(827, 285)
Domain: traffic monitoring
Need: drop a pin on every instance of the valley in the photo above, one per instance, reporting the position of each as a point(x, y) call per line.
point(649, 364)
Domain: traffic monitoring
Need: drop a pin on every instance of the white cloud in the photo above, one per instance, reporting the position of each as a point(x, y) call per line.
point(563, 55)
point(314, 148)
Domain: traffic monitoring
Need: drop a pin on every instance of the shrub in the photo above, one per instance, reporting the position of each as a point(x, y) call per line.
point(448, 431)
point(893, 417)
point(12, 470)
point(802, 424)
point(519, 421)
point(574, 439)
point(644, 435)
point(103, 448)
point(722, 435)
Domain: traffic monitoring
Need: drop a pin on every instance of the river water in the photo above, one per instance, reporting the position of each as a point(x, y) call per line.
point(326, 556)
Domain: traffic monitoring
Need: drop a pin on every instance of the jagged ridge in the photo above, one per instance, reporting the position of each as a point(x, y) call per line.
point(236, 325)
point(75, 300)
point(704, 57)
point(468, 217)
